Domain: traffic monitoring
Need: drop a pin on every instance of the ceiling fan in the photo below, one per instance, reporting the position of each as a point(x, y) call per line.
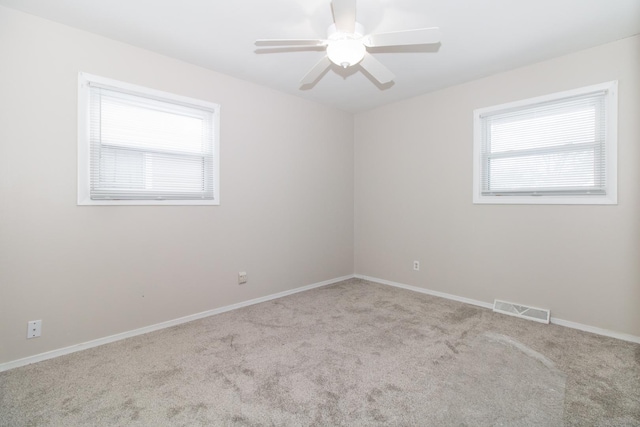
point(346, 44)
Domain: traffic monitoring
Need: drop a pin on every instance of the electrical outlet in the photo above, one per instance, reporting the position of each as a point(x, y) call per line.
point(416, 265)
point(242, 277)
point(34, 328)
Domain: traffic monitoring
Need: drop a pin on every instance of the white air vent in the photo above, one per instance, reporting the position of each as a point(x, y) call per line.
point(536, 314)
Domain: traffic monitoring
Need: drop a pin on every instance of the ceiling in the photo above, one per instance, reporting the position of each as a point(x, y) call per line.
point(479, 38)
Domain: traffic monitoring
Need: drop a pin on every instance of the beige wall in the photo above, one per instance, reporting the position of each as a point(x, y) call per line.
point(413, 189)
point(287, 212)
point(88, 272)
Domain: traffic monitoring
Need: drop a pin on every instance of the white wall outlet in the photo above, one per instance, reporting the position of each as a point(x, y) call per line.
point(242, 277)
point(416, 265)
point(34, 328)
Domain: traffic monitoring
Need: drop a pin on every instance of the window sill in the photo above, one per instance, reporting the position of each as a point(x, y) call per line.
point(90, 202)
point(545, 200)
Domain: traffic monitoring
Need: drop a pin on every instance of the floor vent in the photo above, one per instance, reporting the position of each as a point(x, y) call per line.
point(536, 314)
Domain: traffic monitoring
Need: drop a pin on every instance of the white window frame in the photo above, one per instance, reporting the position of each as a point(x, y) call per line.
point(611, 156)
point(84, 161)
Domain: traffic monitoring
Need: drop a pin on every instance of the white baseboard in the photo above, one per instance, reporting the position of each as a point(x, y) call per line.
point(554, 320)
point(426, 291)
point(117, 337)
point(595, 330)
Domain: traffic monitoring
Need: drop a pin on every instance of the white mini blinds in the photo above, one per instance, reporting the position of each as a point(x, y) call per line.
point(148, 147)
point(554, 149)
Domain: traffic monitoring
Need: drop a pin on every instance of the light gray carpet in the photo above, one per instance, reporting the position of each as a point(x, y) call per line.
point(354, 354)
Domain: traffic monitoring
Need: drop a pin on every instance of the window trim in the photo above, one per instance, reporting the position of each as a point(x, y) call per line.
point(84, 161)
point(611, 154)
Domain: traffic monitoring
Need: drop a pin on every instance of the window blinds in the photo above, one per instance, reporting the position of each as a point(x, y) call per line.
point(550, 148)
point(144, 148)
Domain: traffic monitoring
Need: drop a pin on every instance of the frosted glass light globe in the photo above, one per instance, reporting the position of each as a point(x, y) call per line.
point(345, 52)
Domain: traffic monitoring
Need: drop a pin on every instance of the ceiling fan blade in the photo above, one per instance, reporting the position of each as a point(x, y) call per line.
point(316, 71)
point(344, 15)
point(290, 42)
point(376, 69)
point(403, 38)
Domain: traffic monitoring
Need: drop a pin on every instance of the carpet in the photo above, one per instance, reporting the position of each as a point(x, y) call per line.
point(355, 353)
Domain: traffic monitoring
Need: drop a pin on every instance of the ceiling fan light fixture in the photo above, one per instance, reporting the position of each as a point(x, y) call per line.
point(347, 43)
point(345, 52)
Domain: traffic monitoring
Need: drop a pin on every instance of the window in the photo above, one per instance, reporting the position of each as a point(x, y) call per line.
point(555, 149)
point(138, 146)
